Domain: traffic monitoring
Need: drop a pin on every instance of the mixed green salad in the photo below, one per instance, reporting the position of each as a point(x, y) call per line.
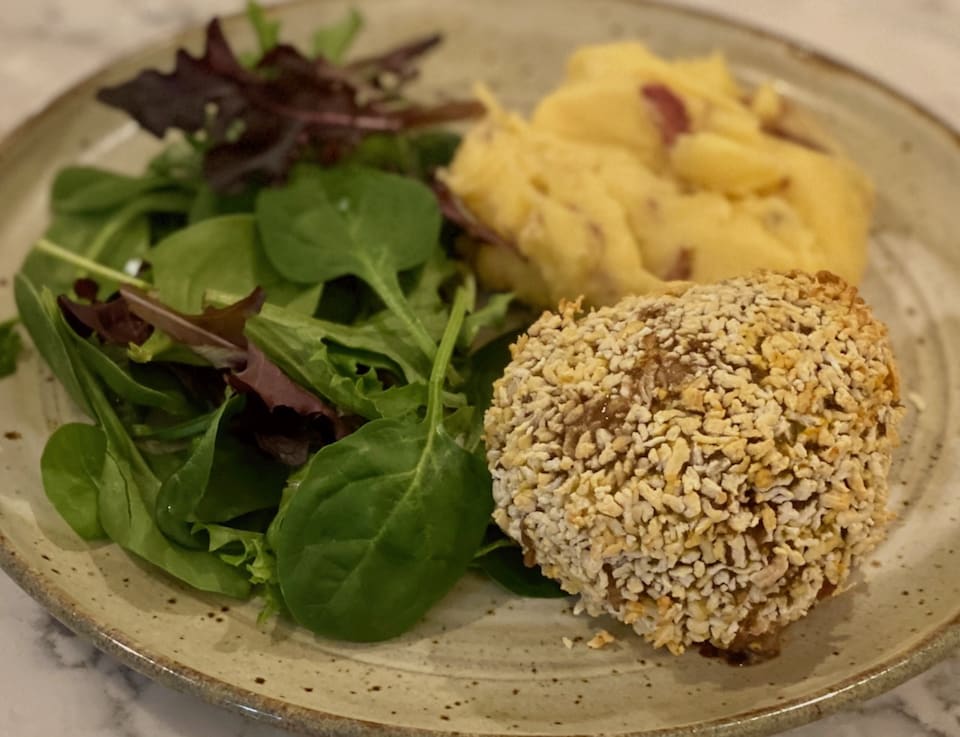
point(286, 363)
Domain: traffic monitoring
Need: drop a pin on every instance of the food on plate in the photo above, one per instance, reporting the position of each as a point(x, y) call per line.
point(287, 360)
point(636, 171)
point(703, 464)
point(277, 349)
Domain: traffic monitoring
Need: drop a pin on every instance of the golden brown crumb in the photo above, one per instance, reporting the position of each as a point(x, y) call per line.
point(601, 640)
point(703, 465)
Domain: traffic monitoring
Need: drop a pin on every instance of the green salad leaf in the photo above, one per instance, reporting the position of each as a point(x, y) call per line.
point(285, 362)
point(224, 254)
point(362, 222)
point(333, 41)
point(71, 466)
point(370, 532)
point(10, 347)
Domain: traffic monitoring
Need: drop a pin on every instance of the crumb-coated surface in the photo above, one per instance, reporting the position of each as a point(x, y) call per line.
point(703, 465)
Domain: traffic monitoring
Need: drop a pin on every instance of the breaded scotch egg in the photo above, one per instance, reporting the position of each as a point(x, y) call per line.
point(704, 464)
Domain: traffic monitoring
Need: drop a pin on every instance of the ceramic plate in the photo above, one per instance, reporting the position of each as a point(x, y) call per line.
point(484, 662)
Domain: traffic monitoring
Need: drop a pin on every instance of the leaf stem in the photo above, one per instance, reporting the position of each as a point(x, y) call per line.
point(181, 430)
point(59, 252)
point(393, 299)
point(500, 542)
point(442, 360)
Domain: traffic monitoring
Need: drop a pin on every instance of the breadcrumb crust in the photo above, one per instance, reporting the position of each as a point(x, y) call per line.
point(703, 464)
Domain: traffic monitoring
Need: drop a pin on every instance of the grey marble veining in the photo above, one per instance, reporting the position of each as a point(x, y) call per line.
point(53, 683)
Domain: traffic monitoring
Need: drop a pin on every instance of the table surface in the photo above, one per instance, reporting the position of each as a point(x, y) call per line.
point(55, 683)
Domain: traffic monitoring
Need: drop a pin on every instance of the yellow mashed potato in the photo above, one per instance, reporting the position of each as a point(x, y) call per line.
point(636, 171)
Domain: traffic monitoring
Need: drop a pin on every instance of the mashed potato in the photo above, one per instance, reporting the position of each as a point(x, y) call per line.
point(636, 171)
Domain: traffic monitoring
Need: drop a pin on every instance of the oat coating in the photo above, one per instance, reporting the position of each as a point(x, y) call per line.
point(705, 464)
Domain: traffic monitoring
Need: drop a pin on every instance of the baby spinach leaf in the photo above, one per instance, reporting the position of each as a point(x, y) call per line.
point(333, 41)
point(126, 387)
point(222, 254)
point(334, 222)
point(385, 520)
point(124, 512)
point(132, 212)
point(86, 189)
point(41, 317)
point(126, 486)
point(242, 480)
point(10, 347)
point(208, 203)
point(484, 366)
point(177, 431)
point(289, 491)
point(505, 566)
point(70, 467)
point(181, 492)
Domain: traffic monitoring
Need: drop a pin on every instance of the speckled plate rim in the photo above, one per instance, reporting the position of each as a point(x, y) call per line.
point(870, 682)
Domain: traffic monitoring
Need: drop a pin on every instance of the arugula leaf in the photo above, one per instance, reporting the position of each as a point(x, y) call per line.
point(223, 254)
point(370, 224)
point(10, 347)
point(491, 315)
point(267, 31)
point(369, 532)
point(297, 345)
point(382, 333)
point(311, 333)
point(241, 548)
point(332, 42)
point(70, 467)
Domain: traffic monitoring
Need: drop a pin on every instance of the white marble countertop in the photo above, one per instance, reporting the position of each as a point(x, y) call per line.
point(54, 683)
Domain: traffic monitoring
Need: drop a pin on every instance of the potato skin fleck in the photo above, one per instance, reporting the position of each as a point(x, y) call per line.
point(703, 464)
